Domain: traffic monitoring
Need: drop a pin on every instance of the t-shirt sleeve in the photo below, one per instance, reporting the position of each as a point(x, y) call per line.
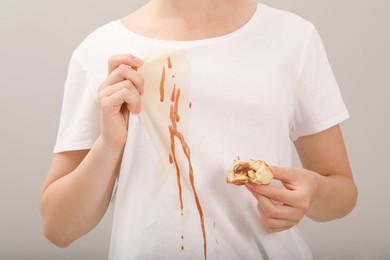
point(318, 104)
point(79, 122)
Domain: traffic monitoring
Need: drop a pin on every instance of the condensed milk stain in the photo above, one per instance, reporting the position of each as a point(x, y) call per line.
point(175, 134)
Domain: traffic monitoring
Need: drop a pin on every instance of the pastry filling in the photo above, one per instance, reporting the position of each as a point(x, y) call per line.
point(255, 171)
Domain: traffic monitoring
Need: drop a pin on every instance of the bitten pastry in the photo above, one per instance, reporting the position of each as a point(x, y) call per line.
point(254, 171)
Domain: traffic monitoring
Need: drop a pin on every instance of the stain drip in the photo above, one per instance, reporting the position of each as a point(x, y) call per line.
point(162, 83)
point(175, 134)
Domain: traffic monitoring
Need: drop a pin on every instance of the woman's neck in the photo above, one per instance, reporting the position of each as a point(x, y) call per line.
point(194, 12)
point(190, 19)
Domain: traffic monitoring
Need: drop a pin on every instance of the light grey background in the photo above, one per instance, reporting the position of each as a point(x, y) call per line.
point(36, 41)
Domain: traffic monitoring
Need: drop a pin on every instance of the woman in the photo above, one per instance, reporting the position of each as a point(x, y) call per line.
point(191, 85)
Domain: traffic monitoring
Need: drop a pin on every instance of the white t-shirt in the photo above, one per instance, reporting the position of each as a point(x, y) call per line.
point(247, 93)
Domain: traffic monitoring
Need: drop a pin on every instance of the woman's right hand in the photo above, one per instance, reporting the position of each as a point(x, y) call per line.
point(119, 95)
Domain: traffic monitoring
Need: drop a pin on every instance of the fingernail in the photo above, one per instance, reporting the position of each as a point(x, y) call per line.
point(138, 61)
point(249, 186)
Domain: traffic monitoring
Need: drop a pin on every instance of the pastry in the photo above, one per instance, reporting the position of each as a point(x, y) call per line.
point(255, 171)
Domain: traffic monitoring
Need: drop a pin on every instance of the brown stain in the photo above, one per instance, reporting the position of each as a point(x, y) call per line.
point(190, 105)
point(172, 137)
point(170, 159)
point(173, 95)
point(186, 149)
point(176, 107)
point(175, 134)
point(162, 83)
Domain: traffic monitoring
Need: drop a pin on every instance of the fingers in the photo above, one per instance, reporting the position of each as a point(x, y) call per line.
point(279, 208)
point(272, 210)
point(284, 174)
point(282, 208)
point(276, 194)
point(123, 86)
point(276, 217)
point(271, 225)
point(127, 84)
point(126, 59)
point(125, 73)
point(120, 97)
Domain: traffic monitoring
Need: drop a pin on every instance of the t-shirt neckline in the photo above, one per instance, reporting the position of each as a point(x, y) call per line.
point(260, 9)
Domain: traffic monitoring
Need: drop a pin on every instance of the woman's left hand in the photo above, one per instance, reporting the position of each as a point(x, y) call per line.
point(282, 208)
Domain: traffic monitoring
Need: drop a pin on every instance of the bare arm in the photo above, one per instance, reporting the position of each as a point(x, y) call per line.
point(336, 192)
point(77, 192)
point(323, 189)
point(79, 184)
